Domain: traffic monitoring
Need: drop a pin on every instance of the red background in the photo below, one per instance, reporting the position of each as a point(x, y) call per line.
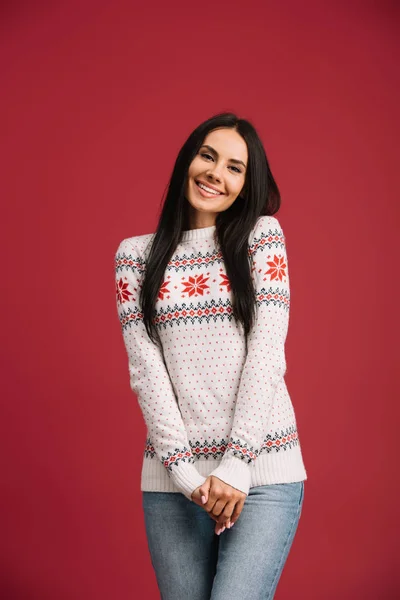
point(97, 98)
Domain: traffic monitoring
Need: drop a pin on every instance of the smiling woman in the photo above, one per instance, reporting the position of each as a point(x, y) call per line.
point(214, 173)
point(204, 310)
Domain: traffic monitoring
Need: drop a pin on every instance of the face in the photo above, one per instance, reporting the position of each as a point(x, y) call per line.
point(220, 164)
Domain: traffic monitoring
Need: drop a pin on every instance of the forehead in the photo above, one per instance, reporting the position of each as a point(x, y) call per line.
point(228, 143)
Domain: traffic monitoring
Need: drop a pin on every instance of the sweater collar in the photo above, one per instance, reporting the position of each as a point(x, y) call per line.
point(202, 233)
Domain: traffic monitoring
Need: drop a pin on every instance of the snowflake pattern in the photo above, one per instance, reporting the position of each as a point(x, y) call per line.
point(163, 290)
point(123, 293)
point(232, 396)
point(196, 285)
point(225, 282)
point(277, 268)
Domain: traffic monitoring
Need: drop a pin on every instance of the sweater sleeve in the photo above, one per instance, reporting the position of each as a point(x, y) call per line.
point(149, 377)
point(265, 363)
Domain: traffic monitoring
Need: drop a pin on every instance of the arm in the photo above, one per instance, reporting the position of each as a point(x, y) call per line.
point(149, 378)
point(265, 363)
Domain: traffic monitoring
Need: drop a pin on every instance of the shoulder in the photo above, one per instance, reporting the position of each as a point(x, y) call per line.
point(135, 245)
point(267, 227)
point(267, 223)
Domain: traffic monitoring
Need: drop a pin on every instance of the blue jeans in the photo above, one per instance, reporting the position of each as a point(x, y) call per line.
point(191, 562)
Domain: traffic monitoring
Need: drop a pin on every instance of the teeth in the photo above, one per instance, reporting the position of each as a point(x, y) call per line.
point(207, 189)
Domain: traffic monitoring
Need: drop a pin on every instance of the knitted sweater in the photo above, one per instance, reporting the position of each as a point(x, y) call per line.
point(211, 406)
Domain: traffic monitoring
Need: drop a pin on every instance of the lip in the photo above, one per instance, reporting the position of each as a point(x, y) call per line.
point(212, 187)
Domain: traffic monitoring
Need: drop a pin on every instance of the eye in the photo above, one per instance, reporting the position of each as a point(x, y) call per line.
point(209, 156)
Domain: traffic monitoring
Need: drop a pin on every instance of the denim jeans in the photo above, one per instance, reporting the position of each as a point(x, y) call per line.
point(245, 562)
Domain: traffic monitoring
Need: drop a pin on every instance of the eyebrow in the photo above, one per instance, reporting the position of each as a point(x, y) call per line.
point(234, 160)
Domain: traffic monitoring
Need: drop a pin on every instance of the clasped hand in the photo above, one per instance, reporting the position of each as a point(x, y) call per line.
point(223, 502)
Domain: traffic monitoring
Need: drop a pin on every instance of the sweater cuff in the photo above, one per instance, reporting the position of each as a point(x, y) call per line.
point(186, 478)
point(235, 472)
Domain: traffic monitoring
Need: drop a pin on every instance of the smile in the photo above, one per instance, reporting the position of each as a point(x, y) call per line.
point(208, 191)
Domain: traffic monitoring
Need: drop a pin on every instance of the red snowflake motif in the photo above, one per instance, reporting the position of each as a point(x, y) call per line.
point(122, 291)
point(195, 285)
point(225, 281)
point(163, 290)
point(277, 270)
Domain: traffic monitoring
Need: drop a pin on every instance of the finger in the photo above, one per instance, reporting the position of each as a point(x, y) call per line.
point(222, 498)
point(219, 528)
point(209, 507)
point(213, 517)
point(204, 490)
point(218, 510)
point(227, 515)
point(212, 500)
point(237, 510)
point(223, 509)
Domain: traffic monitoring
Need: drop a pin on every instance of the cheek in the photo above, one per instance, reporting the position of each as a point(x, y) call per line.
point(191, 174)
point(235, 188)
point(195, 168)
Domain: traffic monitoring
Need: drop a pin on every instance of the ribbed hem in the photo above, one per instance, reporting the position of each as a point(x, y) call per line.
point(185, 477)
point(235, 472)
point(275, 467)
point(198, 234)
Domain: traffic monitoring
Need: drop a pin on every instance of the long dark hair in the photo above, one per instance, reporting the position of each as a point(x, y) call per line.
point(260, 196)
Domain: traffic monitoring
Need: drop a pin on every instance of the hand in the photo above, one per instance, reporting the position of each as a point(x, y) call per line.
point(223, 502)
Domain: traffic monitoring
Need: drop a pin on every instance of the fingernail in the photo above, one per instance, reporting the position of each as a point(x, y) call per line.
point(232, 524)
point(203, 499)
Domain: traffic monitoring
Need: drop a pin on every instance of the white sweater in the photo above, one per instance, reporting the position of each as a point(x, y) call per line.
point(209, 407)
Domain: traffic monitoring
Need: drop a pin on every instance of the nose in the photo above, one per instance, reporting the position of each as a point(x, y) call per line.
point(213, 173)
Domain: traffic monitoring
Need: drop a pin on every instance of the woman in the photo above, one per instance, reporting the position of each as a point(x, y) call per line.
point(204, 309)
